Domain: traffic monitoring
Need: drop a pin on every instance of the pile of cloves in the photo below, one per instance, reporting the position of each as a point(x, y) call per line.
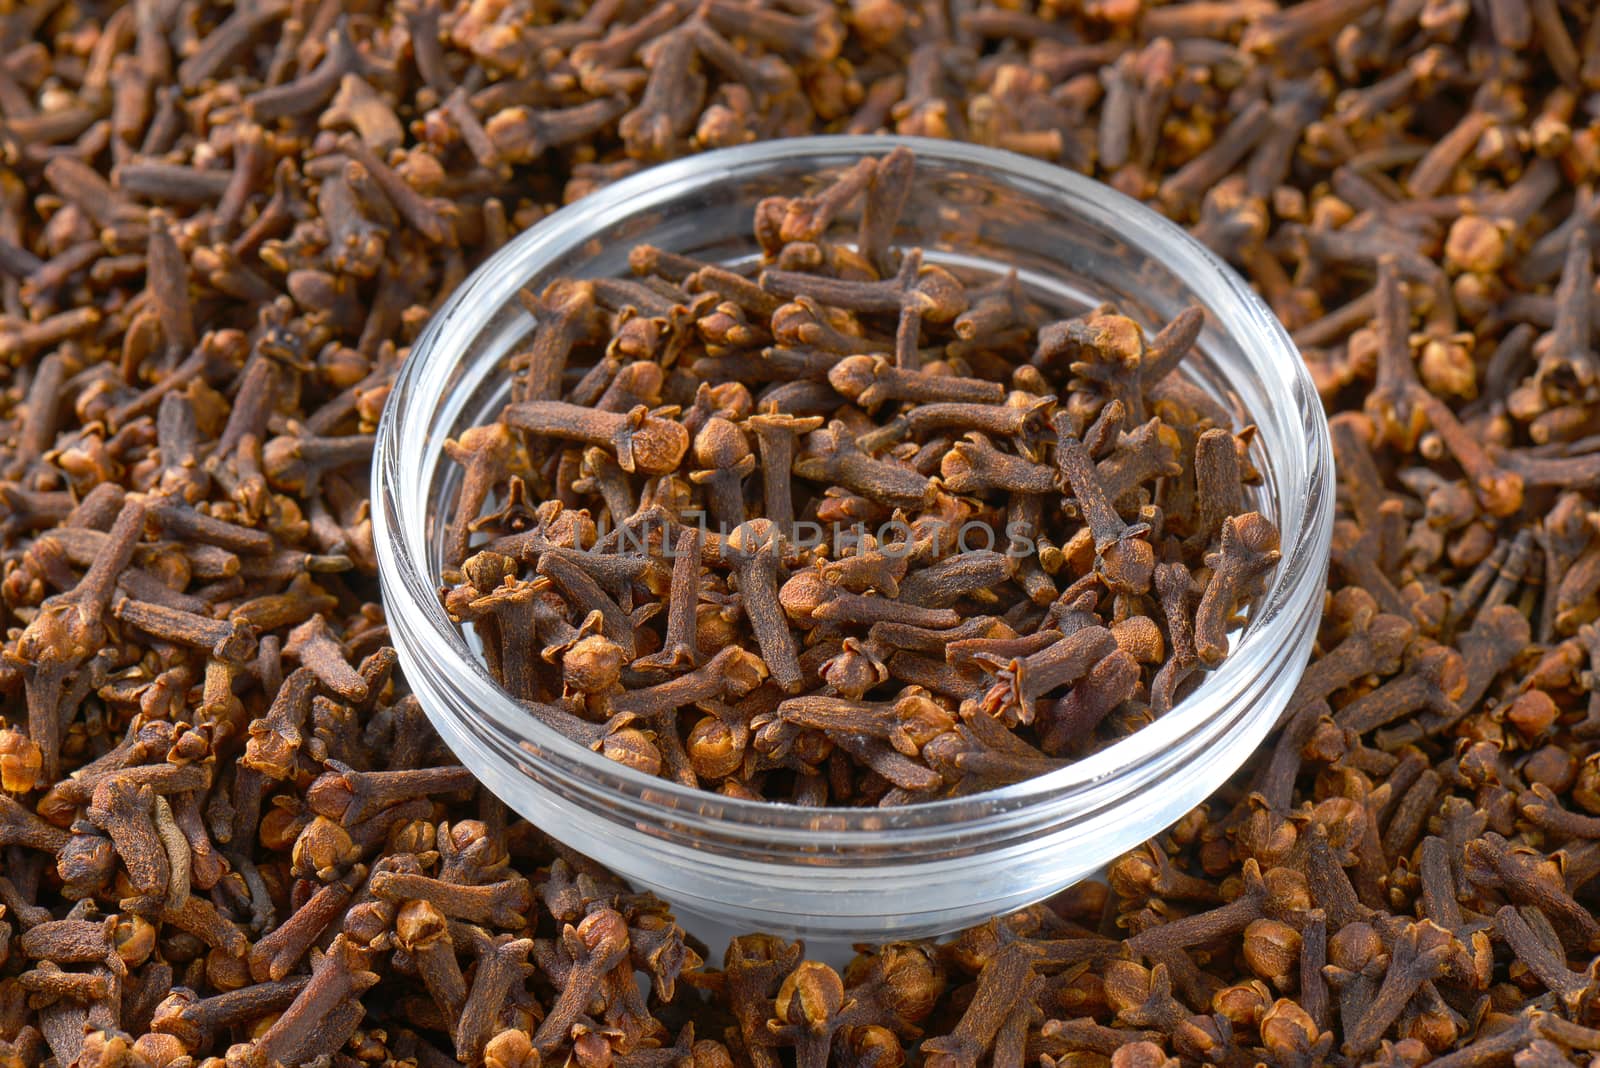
point(228, 837)
point(849, 529)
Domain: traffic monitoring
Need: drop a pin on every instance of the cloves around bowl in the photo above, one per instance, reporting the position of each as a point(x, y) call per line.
point(222, 226)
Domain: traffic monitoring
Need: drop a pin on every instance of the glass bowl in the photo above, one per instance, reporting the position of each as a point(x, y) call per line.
point(835, 874)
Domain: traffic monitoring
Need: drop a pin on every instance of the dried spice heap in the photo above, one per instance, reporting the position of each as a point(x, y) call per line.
point(227, 837)
point(999, 508)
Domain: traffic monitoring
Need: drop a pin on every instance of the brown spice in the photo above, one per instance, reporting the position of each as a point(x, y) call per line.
point(791, 592)
point(200, 315)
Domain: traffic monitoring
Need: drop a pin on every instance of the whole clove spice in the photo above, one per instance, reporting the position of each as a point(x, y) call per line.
point(222, 226)
point(1052, 415)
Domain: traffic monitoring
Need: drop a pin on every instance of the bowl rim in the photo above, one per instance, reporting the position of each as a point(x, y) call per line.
point(1298, 578)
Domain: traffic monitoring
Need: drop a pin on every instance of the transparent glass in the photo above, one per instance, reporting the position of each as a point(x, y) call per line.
point(836, 874)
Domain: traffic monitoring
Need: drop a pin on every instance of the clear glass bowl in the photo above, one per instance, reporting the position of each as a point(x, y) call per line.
point(860, 873)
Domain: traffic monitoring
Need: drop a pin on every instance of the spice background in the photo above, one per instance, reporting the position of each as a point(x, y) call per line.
point(227, 836)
